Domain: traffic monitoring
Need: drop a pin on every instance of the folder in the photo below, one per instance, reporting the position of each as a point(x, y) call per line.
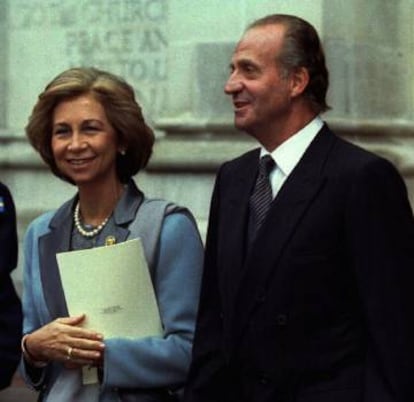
point(112, 286)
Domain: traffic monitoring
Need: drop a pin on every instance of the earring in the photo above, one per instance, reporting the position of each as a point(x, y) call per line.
point(122, 152)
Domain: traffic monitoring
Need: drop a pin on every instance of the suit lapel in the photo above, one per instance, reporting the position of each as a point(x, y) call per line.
point(234, 223)
point(296, 195)
point(56, 241)
point(126, 210)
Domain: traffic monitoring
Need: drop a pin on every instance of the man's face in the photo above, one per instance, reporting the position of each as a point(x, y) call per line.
point(260, 91)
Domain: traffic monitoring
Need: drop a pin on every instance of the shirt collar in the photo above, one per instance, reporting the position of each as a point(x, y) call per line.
point(288, 154)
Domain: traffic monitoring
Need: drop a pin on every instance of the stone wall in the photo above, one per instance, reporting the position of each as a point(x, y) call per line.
point(176, 54)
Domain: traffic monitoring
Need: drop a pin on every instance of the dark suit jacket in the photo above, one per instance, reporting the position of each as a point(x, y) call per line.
point(10, 308)
point(321, 309)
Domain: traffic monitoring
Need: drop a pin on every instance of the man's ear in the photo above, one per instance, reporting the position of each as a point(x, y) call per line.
point(299, 81)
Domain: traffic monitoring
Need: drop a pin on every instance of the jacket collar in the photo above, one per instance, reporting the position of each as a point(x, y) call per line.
point(58, 240)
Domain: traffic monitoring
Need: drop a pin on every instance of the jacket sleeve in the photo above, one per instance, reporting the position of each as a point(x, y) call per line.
point(10, 307)
point(33, 376)
point(155, 362)
point(380, 230)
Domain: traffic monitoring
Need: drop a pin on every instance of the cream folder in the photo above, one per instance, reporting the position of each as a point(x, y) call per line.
point(111, 285)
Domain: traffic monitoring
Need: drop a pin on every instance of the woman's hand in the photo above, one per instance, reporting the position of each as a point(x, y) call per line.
point(62, 340)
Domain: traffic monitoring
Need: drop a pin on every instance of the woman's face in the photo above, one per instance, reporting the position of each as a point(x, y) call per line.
point(84, 144)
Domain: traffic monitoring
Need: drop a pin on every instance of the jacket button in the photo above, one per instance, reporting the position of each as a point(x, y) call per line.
point(263, 380)
point(281, 320)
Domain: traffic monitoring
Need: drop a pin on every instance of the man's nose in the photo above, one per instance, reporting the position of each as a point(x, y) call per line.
point(233, 84)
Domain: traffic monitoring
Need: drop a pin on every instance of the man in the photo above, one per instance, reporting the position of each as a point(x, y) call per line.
point(10, 308)
point(310, 299)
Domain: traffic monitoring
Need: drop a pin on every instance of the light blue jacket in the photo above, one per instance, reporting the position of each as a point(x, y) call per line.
point(134, 370)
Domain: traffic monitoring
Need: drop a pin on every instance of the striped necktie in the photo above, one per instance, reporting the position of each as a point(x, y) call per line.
point(261, 197)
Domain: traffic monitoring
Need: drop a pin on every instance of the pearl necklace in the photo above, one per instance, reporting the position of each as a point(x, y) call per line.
point(81, 230)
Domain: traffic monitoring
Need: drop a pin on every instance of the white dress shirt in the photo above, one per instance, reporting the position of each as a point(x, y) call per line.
point(288, 154)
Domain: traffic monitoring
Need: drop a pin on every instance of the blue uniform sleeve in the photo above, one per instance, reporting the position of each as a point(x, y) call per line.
point(156, 362)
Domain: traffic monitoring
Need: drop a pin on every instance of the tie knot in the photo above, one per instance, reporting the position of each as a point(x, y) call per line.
point(266, 165)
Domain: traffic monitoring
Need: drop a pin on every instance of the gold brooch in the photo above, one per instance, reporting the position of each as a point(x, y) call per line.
point(110, 240)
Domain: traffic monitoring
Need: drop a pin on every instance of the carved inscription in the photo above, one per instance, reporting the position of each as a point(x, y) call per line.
point(126, 37)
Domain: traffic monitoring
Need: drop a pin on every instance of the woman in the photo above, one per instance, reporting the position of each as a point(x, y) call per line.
point(89, 129)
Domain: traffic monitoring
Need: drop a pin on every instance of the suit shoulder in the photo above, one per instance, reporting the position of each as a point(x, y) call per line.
point(6, 202)
point(242, 160)
point(352, 166)
point(3, 189)
point(5, 192)
point(354, 157)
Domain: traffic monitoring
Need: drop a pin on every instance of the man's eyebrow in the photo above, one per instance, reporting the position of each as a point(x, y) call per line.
point(242, 61)
point(247, 62)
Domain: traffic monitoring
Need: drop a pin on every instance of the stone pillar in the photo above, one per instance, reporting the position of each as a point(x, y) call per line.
point(3, 62)
point(370, 54)
point(369, 47)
